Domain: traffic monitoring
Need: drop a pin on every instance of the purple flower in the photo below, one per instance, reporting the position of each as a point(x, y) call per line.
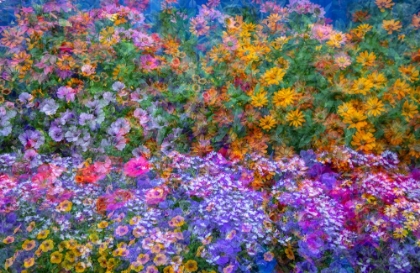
point(49, 107)
point(119, 127)
point(56, 133)
point(31, 139)
point(117, 86)
point(84, 117)
point(72, 135)
point(66, 92)
point(66, 116)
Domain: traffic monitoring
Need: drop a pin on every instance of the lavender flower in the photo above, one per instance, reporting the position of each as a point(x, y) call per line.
point(49, 107)
point(56, 133)
point(32, 139)
point(72, 135)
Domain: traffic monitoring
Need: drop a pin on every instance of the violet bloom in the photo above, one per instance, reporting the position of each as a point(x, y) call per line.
point(31, 139)
point(49, 107)
point(67, 93)
point(117, 86)
point(141, 115)
point(66, 117)
point(84, 118)
point(56, 133)
point(142, 40)
point(30, 155)
point(119, 127)
point(72, 135)
point(26, 99)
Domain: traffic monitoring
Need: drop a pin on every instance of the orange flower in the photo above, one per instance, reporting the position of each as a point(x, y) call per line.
point(66, 62)
point(416, 20)
point(384, 4)
point(400, 88)
point(360, 16)
point(101, 204)
point(391, 25)
point(409, 73)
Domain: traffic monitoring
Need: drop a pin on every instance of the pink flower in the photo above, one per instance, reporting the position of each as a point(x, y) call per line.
point(148, 62)
point(155, 196)
point(136, 166)
point(121, 230)
point(321, 32)
point(342, 60)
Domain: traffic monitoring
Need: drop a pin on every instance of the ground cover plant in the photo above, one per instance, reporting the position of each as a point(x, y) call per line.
point(229, 138)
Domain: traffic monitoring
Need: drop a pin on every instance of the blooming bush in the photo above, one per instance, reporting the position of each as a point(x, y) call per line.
point(259, 138)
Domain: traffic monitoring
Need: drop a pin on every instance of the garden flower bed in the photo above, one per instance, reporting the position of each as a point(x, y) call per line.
point(253, 138)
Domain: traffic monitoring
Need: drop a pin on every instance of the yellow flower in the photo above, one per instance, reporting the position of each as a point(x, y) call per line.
point(56, 257)
point(273, 76)
point(103, 224)
point(295, 118)
point(378, 79)
point(134, 220)
point(28, 262)
point(336, 40)
point(191, 266)
point(70, 256)
point(374, 107)
point(355, 119)
point(267, 122)
point(259, 99)
point(94, 237)
point(28, 245)
point(43, 234)
point(364, 28)
point(345, 109)
point(361, 86)
point(102, 262)
point(409, 110)
point(409, 73)
point(363, 141)
point(400, 233)
point(284, 97)
point(366, 59)
point(384, 4)
point(65, 206)
point(169, 269)
point(47, 245)
point(391, 25)
point(401, 89)
point(111, 263)
point(80, 267)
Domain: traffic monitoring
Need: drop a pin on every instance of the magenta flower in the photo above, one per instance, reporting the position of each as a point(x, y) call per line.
point(136, 166)
point(148, 62)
